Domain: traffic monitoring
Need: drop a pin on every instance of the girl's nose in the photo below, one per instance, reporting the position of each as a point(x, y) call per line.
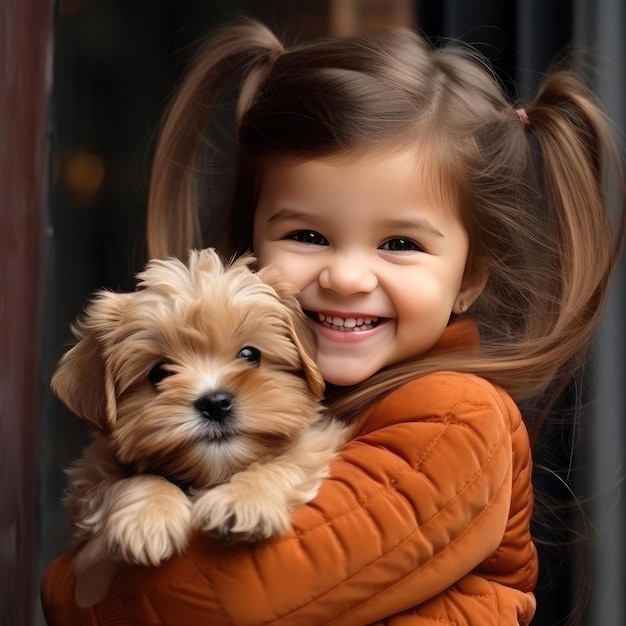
point(347, 276)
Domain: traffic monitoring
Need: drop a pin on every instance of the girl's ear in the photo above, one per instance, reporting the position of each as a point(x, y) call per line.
point(470, 291)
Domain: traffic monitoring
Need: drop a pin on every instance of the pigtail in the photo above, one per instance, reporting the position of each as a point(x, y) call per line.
point(569, 240)
point(194, 150)
point(578, 152)
point(579, 162)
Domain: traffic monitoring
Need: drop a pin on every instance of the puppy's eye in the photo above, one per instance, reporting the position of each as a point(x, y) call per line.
point(158, 373)
point(250, 354)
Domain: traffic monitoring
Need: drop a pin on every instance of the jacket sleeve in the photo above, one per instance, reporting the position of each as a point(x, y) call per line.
point(415, 502)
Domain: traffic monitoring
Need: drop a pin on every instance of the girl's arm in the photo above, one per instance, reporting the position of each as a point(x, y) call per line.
point(417, 501)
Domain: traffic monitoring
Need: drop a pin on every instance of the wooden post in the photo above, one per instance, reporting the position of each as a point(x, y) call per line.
point(25, 83)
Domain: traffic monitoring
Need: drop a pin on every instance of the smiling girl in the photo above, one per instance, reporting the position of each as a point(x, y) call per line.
point(377, 256)
point(453, 255)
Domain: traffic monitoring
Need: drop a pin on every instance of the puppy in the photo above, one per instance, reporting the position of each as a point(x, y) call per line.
point(205, 403)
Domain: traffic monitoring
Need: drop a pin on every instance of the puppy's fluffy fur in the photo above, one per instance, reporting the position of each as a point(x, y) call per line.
point(204, 399)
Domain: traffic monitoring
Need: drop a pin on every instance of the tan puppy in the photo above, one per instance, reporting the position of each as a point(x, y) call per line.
point(204, 397)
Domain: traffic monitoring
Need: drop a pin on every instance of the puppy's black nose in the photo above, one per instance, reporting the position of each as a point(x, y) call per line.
point(215, 406)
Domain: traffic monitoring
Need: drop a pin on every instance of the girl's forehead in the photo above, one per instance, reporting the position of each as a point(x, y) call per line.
point(412, 169)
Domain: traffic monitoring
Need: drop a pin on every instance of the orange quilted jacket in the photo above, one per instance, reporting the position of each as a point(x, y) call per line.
point(424, 521)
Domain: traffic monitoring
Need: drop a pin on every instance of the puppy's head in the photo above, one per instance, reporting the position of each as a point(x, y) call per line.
point(199, 372)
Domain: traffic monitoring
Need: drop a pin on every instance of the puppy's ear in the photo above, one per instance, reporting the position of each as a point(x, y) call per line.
point(82, 379)
point(302, 334)
point(304, 340)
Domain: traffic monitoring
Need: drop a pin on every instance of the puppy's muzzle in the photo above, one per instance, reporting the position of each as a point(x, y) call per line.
point(215, 406)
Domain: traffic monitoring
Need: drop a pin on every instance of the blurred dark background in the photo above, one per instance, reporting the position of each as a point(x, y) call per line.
point(83, 85)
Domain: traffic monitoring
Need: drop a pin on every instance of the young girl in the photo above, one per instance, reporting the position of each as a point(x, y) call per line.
point(453, 255)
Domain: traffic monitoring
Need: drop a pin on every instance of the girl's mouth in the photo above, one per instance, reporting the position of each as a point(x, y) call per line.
point(345, 324)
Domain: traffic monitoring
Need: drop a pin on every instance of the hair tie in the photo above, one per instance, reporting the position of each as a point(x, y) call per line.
point(521, 113)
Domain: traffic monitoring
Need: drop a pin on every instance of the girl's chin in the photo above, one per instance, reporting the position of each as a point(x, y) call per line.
point(345, 378)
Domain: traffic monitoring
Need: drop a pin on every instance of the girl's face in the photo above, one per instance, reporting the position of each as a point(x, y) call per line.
point(378, 261)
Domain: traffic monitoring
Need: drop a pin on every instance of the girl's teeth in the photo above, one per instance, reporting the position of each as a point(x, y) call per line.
point(348, 323)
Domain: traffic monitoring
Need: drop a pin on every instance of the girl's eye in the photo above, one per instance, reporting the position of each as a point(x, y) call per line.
point(250, 354)
point(158, 373)
point(400, 244)
point(308, 236)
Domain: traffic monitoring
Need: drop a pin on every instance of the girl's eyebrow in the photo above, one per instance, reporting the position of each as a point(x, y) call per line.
point(417, 223)
point(288, 214)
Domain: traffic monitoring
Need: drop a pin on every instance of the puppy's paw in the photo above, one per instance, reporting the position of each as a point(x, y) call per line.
point(148, 523)
point(236, 512)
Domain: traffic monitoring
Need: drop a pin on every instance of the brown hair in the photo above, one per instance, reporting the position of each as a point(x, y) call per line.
point(531, 196)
